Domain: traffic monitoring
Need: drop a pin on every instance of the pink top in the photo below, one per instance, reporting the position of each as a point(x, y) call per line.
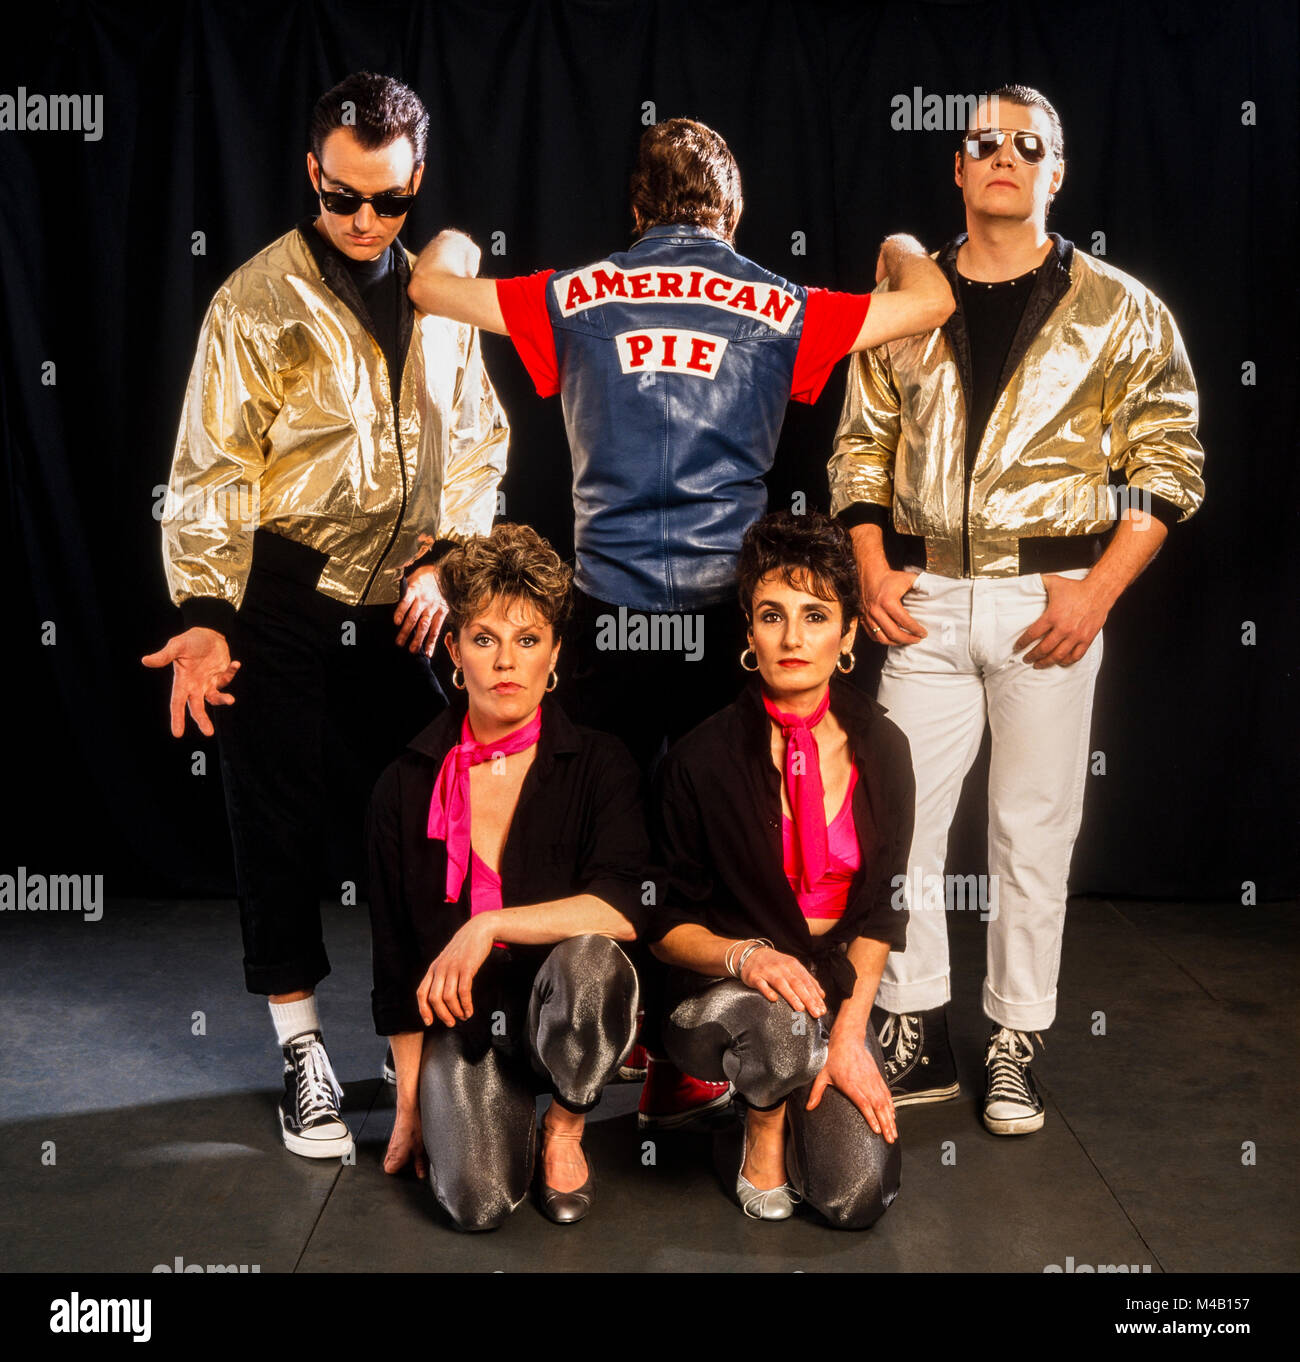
point(828, 897)
point(484, 888)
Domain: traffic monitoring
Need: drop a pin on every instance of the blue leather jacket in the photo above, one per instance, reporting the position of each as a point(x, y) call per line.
point(675, 360)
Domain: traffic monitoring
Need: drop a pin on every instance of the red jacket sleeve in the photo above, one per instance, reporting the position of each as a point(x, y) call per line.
point(523, 306)
point(831, 323)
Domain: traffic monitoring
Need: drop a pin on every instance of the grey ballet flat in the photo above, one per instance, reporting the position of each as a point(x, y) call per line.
point(774, 1203)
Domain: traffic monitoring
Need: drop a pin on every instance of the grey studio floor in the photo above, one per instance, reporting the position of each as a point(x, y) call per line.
point(130, 1141)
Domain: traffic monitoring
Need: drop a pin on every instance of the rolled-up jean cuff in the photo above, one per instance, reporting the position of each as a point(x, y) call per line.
point(296, 977)
point(916, 996)
point(1019, 1016)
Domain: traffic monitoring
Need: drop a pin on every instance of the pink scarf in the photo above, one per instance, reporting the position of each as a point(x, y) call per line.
point(449, 807)
point(804, 782)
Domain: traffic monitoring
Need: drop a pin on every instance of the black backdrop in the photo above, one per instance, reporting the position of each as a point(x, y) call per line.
point(536, 111)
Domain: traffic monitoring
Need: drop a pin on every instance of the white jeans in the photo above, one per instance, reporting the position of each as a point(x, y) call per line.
point(939, 692)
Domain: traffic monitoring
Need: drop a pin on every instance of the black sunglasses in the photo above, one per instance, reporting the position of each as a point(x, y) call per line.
point(1029, 146)
point(345, 202)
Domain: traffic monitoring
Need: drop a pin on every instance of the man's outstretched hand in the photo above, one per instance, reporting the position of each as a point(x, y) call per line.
point(201, 671)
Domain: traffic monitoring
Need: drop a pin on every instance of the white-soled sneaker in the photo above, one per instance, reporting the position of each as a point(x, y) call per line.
point(310, 1123)
point(1012, 1105)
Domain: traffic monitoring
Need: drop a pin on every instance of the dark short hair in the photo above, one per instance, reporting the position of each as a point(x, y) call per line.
point(1028, 98)
point(514, 562)
point(381, 110)
point(812, 552)
point(685, 173)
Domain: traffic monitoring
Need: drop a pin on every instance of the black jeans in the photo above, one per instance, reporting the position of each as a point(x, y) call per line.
point(324, 701)
point(616, 680)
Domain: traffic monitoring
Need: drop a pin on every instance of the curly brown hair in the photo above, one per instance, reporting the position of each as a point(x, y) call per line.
point(514, 562)
point(685, 173)
point(811, 552)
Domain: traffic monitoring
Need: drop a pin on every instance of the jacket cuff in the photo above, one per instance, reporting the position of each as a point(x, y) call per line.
point(208, 612)
point(1165, 511)
point(865, 513)
point(439, 550)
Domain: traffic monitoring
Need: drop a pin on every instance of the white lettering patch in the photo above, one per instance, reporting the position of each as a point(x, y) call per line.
point(679, 352)
point(606, 283)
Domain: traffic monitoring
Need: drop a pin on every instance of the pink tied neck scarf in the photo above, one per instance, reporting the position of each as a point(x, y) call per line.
point(449, 807)
point(803, 779)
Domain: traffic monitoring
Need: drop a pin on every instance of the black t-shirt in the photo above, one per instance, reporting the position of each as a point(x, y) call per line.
point(377, 283)
point(992, 312)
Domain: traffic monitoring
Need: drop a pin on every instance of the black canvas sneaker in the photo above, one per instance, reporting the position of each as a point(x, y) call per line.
point(919, 1064)
point(310, 1123)
point(1012, 1106)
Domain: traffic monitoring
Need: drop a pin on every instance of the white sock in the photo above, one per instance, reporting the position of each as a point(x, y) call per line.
point(292, 1019)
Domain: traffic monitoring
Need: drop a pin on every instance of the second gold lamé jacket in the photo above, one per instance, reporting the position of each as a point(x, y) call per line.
point(290, 425)
point(1099, 391)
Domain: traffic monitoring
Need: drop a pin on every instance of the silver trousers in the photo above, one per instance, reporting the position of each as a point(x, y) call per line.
point(721, 1028)
point(478, 1087)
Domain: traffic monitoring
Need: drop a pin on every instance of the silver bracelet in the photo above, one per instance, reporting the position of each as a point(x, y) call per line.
point(727, 961)
point(757, 943)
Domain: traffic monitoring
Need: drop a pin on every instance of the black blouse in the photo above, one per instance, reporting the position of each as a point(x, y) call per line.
point(718, 833)
point(578, 828)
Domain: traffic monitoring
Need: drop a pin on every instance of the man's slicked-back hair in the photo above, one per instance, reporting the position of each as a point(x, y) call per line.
point(378, 110)
point(685, 173)
point(1028, 98)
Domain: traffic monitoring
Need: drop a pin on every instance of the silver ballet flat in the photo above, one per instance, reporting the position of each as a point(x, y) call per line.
point(773, 1203)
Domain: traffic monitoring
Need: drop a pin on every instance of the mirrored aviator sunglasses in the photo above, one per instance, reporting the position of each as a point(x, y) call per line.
point(344, 203)
point(1029, 146)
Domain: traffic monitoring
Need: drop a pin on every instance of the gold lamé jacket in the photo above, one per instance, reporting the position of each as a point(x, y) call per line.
point(1097, 390)
point(289, 426)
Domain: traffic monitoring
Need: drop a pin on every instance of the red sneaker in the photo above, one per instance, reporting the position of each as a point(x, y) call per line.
point(672, 1099)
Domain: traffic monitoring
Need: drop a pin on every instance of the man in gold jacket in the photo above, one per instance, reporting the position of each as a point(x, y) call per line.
point(333, 444)
point(987, 459)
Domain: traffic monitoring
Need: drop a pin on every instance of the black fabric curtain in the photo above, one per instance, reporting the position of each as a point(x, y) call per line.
point(1180, 126)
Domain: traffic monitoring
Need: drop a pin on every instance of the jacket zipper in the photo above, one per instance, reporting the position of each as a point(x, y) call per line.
point(401, 462)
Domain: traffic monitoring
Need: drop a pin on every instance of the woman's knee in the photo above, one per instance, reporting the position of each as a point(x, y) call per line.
point(474, 1209)
point(591, 961)
point(779, 1050)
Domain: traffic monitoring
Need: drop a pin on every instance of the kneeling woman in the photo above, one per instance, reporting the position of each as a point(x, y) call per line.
point(507, 852)
point(782, 822)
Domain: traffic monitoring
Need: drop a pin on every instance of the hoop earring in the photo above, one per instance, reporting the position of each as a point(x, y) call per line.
point(754, 668)
point(455, 672)
point(839, 663)
point(552, 681)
